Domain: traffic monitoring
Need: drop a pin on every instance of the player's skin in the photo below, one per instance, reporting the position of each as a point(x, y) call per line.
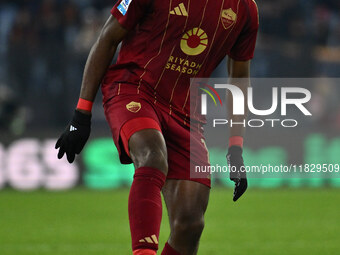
point(186, 201)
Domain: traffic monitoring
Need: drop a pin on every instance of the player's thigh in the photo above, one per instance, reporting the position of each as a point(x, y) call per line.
point(133, 119)
point(186, 201)
point(186, 150)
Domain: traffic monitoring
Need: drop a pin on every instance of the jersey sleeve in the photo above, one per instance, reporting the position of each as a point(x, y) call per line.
point(129, 13)
point(244, 47)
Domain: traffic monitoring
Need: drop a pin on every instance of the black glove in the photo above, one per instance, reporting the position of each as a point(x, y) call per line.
point(237, 171)
point(75, 136)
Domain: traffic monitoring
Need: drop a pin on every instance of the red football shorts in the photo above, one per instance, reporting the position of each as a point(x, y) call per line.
point(130, 113)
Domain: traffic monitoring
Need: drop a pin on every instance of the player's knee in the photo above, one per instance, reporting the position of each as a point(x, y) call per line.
point(189, 227)
point(150, 156)
point(148, 149)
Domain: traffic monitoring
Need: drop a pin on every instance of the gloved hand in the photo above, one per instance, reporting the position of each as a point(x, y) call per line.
point(237, 171)
point(75, 136)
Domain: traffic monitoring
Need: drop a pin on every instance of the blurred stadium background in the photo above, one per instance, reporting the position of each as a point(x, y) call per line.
point(50, 207)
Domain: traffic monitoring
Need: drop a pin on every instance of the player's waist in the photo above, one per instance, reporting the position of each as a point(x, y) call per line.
point(172, 107)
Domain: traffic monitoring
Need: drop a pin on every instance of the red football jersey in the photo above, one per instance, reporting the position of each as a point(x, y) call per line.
point(171, 41)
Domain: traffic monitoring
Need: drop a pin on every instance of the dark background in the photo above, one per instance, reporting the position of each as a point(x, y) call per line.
point(44, 45)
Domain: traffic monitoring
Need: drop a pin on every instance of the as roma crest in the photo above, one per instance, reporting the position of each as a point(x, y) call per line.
point(228, 18)
point(133, 106)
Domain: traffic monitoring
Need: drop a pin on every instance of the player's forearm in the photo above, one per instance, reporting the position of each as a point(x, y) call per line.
point(238, 127)
point(96, 66)
point(239, 73)
point(100, 57)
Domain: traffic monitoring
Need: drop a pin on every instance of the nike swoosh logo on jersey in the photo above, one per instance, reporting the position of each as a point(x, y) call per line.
point(179, 10)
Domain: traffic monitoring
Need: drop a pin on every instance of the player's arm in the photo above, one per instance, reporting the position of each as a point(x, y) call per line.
point(77, 132)
point(100, 57)
point(239, 73)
